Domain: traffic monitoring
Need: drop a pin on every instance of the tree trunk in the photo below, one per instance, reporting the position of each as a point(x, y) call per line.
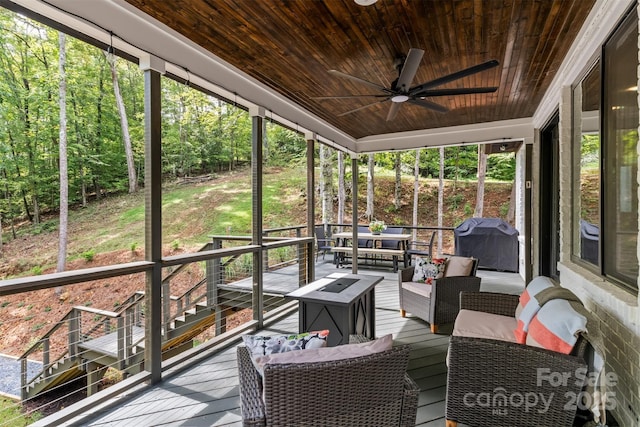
point(64, 178)
point(31, 159)
point(9, 197)
point(80, 142)
point(440, 201)
point(124, 124)
point(342, 194)
point(369, 212)
point(416, 191)
point(326, 184)
point(398, 192)
point(482, 172)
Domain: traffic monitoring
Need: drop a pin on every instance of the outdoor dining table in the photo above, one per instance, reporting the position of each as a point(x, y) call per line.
point(344, 245)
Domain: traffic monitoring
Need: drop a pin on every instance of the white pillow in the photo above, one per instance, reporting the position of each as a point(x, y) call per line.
point(326, 354)
point(265, 345)
point(427, 269)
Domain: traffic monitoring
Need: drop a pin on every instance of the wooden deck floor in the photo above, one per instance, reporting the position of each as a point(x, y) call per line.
point(206, 394)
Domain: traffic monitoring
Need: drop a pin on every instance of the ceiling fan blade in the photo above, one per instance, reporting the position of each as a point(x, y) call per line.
point(393, 111)
point(362, 108)
point(428, 104)
point(349, 96)
point(456, 91)
point(409, 69)
point(357, 79)
point(416, 90)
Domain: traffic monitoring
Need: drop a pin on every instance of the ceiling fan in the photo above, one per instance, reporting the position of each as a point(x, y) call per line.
point(401, 90)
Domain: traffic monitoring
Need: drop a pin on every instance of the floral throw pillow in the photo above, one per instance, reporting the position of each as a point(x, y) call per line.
point(262, 346)
point(428, 269)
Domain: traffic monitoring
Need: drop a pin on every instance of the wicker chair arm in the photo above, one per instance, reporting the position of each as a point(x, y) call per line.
point(411, 391)
point(409, 402)
point(487, 379)
point(253, 411)
point(405, 274)
point(489, 302)
point(357, 339)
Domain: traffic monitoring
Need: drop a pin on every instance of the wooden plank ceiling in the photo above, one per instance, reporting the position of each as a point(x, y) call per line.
point(289, 45)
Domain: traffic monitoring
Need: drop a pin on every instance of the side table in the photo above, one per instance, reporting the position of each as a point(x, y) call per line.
point(342, 303)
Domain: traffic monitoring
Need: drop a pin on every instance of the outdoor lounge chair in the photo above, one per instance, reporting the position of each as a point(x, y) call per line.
point(439, 302)
point(347, 392)
point(487, 377)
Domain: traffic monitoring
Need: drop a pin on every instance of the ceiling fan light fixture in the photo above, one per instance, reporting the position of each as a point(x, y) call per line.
point(365, 2)
point(399, 98)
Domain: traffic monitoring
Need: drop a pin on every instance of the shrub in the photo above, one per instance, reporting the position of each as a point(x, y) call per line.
point(89, 255)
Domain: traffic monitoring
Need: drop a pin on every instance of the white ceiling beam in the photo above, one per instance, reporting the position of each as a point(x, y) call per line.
point(505, 130)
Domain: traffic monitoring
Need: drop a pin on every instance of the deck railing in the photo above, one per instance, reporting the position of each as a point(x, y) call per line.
point(220, 266)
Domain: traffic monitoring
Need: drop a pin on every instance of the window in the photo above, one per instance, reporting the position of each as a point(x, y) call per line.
point(620, 156)
point(586, 190)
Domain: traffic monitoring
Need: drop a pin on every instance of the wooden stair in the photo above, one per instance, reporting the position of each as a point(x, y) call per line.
point(103, 351)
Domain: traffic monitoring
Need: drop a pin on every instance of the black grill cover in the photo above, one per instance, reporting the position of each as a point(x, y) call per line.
point(491, 240)
point(589, 241)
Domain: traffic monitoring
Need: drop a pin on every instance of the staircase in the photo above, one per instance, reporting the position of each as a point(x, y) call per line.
point(99, 339)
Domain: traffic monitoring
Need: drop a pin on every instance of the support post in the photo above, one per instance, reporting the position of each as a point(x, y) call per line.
point(257, 300)
point(153, 67)
point(214, 274)
point(354, 212)
point(311, 206)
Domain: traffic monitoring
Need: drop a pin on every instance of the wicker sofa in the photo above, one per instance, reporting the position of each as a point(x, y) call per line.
point(486, 377)
point(437, 303)
point(347, 392)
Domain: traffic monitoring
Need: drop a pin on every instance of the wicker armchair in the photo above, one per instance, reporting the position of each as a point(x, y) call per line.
point(442, 305)
point(486, 377)
point(350, 392)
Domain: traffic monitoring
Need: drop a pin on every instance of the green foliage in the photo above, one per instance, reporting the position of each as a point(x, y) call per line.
point(501, 167)
point(44, 227)
point(201, 134)
point(468, 210)
point(134, 246)
point(12, 416)
point(89, 255)
point(4, 304)
point(504, 209)
point(38, 326)
point(454, 201)
point(175, 245)
point(47, 309)
point(590, 151)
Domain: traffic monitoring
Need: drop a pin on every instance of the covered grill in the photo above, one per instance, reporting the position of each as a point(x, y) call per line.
point(491, 240)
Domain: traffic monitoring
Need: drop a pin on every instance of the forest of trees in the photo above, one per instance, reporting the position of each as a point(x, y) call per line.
point(104, 134)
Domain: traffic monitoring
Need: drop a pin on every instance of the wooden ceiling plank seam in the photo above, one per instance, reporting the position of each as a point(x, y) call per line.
point(559, 42)
point(537, 69)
